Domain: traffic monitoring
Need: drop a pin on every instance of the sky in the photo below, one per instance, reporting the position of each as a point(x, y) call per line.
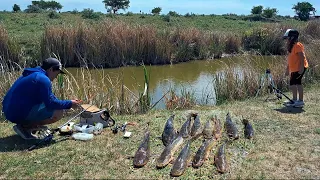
point(218, 7)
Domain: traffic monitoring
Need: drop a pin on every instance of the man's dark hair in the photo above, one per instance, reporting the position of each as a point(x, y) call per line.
point(53, 63)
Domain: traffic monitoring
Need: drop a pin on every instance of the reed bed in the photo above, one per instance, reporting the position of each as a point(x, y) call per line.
point(9, 50)
point(106, 45)
point(184, 100)
point(114, 44)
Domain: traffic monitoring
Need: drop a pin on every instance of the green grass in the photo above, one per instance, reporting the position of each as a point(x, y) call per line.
point(285, 146)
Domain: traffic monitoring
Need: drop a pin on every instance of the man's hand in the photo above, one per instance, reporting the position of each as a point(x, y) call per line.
point(75, 103)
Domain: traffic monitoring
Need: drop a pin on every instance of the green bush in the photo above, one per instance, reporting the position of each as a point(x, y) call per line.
point(255, 17)
point(267, 41)
point(129, 13)
point(166, 18)
point(173, 13)
point(90, 14)
point(75, 11)
point(53, 15)
point(110, 15)
point(189, 15)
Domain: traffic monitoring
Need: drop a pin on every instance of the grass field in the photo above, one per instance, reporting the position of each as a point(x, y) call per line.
point(286, 146)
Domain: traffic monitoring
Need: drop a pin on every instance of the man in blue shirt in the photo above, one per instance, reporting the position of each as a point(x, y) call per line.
point(30, 103)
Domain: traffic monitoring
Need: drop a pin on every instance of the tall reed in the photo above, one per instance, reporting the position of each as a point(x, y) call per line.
point(105, 91)
point(241, 81)
point(106, 45)
point(114, 44)
point(9, 49)
point(265, 40)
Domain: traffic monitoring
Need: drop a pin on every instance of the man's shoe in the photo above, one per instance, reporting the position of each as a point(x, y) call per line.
point(30, 133)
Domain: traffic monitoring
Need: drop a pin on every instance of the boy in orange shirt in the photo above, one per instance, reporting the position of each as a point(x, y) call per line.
point(297, 65)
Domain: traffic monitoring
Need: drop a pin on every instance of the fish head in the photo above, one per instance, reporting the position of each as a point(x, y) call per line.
point(245, 121)
point(228, 118)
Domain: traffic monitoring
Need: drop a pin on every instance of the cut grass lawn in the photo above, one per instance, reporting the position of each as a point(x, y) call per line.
point(286, 146)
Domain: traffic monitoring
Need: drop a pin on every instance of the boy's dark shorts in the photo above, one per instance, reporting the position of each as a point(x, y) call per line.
point(295, 78)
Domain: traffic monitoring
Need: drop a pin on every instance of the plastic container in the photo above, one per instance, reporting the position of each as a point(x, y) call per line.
point(82, 136)
point(98, 128)
point(86, 128)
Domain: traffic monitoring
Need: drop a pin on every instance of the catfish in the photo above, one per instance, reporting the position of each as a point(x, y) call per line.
point(181, 162)
point(248, 129)
point(142, 155)
point(169, 133)
point(231, 128)
point(220, 159)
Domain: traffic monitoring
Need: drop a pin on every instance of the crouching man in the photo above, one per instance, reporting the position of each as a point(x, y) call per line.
point(30, 103)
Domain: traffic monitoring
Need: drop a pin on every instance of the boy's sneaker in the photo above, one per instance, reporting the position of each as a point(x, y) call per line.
point(290, 103)
point(298, 103)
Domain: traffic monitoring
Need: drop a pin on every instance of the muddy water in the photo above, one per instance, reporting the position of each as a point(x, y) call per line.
point(195, 77)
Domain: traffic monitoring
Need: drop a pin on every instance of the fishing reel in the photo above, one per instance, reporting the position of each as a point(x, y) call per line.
point(118, 128)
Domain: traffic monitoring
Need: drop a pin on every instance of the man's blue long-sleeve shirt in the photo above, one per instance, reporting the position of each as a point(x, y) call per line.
point(32, 88)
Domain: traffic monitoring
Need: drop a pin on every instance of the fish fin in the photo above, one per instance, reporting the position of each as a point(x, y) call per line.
point(195, 137)
point(189, 161)
point(189, 164)
point(172, 161)
point(148, 125)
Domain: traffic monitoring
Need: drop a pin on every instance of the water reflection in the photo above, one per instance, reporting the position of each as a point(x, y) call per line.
point(194, 76)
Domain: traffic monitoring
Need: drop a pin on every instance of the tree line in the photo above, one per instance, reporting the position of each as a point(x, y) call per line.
point(303, 10)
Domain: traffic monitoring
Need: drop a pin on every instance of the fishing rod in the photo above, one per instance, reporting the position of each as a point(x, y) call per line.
point(49, 137)
point(74, 117)
point(278, 91)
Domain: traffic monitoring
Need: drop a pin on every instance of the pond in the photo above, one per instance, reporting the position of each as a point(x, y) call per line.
point(195, 77)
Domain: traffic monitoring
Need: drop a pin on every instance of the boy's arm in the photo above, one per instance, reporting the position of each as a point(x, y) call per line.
point(301, 62)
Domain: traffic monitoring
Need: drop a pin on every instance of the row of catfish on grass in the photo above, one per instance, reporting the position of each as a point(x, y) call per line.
point(191, 130)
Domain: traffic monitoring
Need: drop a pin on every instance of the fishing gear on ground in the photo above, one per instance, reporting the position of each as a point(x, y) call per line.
point(93, 121)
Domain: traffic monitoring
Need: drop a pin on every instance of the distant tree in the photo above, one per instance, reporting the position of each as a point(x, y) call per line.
point(53, 5)
point(156, 11)
point(45, 5)
point(256, 10)
point(270, 12)
point(173, 13)
point(115, 5)
point(41, 4)
point(33, 9)
point(303, 9)
point(16, 8)
point(74, 11)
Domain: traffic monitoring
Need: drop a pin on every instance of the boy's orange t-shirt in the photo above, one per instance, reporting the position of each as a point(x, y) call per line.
point(293, 58)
